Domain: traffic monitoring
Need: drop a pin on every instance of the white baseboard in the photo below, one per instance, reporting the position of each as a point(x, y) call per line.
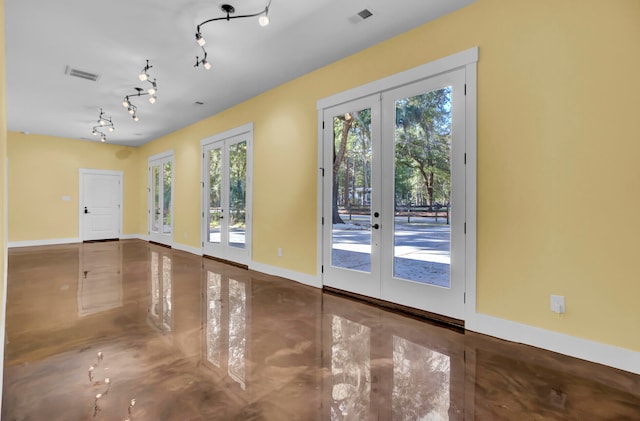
point(49, 242)
point(302, 278)
point(620, 358)
point(188, 249)
point(134, 237)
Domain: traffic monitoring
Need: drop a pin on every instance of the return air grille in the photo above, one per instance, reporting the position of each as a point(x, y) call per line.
point(365, 13)
point(81, 74)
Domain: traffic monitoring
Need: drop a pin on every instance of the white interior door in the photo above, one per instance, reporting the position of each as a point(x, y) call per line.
point(160, 208)
point(394, 195)
point(100, 204)
point(226, 198)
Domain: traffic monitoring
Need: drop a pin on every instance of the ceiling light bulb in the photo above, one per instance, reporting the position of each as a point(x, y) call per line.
point(151, 91)
point(152, 99)
point(200, 40)
point(102, 122)
point(135, 118)
point(263, 20)
point(206, 64)
point(131, 110)
point(125, 103)
point(143, 76)
point(94, 132)
point(103, 139)
point(111, 128)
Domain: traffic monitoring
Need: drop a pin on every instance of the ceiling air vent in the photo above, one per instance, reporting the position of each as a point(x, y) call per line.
point(365, 14)
point(81, 74)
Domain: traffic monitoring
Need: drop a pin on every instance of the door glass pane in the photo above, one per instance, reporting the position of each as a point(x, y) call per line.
point(351, 193)
point(422, 233)
point(155, 205)
point(237, 194)
point(215, 188)
point(166, 214)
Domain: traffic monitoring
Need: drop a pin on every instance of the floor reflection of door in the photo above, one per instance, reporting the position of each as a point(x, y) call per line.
point(394, 195)
point(99, 277)
point(160, 313)
point(227, 318)
point(386, 370)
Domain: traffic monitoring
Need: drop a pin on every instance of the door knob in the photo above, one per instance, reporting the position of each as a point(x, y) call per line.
point(375, 226)
point(86, 210)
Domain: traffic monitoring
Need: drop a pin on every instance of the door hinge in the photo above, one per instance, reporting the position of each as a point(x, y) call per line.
point(465, 88)
point(203, 214)
point(464, 298)
point(465, 159)
point(465, 227)
point(203, 244)
point(322, 169)
point(322, 269)
point(323, 220)
point(323, 125)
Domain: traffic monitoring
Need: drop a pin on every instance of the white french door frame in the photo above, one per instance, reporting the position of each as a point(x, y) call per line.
point(466, 60)
point(222, 251)
point(82, 172)
point(160, 159)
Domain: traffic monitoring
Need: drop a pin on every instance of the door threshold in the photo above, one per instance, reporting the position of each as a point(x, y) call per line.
point(160, 244)
point(439, 319)
point(225, 261)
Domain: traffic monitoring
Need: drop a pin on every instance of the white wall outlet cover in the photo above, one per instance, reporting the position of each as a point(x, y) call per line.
point(66, 198)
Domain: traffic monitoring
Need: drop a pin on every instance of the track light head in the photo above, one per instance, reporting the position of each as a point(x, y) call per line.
point(94, 132)
point(143, 73)
point(263, 20)
point(111, 128)
point(135, 118)
point(152, 99)
point(125, 103)
point(103, 139)
point(206, 64)
point(200, 39)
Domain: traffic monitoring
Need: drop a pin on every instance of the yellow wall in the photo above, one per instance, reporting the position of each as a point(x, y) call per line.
point(42, 169)
point(557, 141)
point(557, 149)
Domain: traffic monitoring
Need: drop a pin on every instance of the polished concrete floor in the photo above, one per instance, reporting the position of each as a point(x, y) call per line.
point(130, 330)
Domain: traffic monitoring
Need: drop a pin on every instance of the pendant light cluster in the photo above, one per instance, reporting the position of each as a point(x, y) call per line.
point(151, 91)
point(104, 123)
point(229, 10)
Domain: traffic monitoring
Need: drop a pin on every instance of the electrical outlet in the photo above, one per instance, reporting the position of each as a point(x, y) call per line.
point(279, 252)
point(557, 304)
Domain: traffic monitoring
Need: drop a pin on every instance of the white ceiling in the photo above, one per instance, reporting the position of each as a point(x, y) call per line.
point(114, 38)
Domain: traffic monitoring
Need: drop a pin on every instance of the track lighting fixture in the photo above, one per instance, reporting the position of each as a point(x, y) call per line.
point(263, 20)
point(205, 63)
point(104, 122)
point(151, 91)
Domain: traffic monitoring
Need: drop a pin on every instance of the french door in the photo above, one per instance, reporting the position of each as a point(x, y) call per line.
point(161, 198)
point(394, 195)
point(226, 213)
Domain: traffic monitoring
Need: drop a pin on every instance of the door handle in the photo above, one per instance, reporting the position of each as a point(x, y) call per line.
point(86, 210)
point(375, 226)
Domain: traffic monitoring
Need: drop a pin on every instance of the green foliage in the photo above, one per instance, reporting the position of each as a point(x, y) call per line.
point(423, 146)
